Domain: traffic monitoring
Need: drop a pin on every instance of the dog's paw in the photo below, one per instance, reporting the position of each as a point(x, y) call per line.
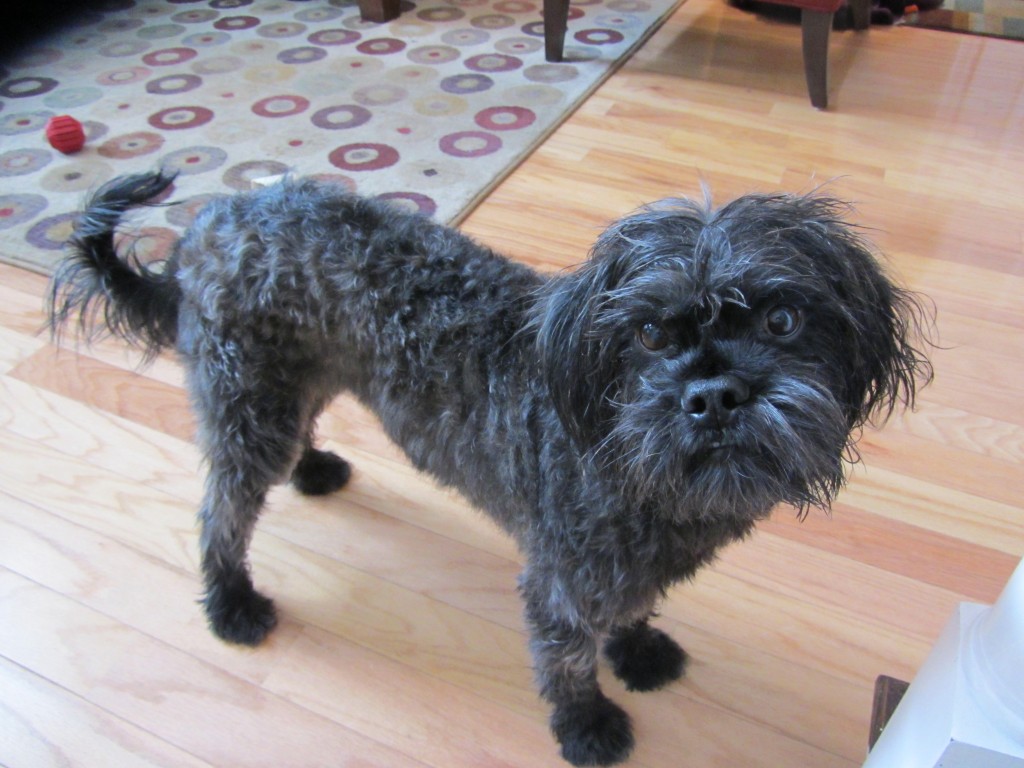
point(240, 615)
point(320, 472)
point(594, 732)
point(645, 658)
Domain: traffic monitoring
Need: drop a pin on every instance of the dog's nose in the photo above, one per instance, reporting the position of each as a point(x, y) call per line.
point(712, 402)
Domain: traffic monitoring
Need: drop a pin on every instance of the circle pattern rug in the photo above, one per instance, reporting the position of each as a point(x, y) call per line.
point(430, 110)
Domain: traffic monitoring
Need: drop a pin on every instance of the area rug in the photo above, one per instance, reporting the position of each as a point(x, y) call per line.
point(430, 110)
point(995, 18)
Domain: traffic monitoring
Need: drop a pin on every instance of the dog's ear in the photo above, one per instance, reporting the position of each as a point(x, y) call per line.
point(886, 327)
point(576, 362)
point(889, 362)
point(579, 331)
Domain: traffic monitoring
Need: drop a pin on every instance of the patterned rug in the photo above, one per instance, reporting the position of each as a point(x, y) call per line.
point(430, 110)
point(995, 18)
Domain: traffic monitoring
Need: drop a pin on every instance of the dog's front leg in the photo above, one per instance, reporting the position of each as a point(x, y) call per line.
point(591, 728)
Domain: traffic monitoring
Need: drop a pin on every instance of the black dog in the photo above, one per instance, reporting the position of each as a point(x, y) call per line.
point(621, 421)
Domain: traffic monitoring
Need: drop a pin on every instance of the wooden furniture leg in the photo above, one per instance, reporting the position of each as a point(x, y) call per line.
point(861, 12)
point(379, 10)
point(816, 26)
point(556, 22)
point(888, 694)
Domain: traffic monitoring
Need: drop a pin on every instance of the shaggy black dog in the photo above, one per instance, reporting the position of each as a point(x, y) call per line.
point(621, 421)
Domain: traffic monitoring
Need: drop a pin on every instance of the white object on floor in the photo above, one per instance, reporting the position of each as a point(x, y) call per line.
point(965, 708)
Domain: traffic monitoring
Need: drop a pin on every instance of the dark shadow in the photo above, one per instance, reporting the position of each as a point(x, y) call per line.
point(23, 21)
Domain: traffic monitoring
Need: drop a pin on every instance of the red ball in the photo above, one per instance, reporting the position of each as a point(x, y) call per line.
point(65, 134)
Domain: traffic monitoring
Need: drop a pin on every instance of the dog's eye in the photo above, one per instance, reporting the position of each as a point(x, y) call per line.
point(652, 337)
point(783, 321)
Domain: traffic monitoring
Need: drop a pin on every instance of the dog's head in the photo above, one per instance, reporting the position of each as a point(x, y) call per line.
point(719, 362)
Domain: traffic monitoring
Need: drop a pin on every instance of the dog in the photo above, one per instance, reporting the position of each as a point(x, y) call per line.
point(621, 421)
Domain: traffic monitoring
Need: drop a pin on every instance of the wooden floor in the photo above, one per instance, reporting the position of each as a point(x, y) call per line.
point(402, 642)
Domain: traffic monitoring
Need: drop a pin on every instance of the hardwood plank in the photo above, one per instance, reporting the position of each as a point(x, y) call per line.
point(382, 478)
point(971, 571)
point(852, 647)
point(769, 686)
point(310, 589)
point(931, 507)
point(963, 471)
point(97, 571)
point(823, 577)
point(83, 431)
point(138, 398)
point(960, 428)
point(22, 297)
point(42, 724)
point(669, 723)
point(383, 696)
point(444, 569)
point(192, 705)
point(15, 347)
point(127, 511)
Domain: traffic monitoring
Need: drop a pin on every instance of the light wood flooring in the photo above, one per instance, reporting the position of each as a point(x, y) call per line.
point(402, 642)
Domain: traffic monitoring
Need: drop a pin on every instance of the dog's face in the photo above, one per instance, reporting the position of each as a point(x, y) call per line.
point(717, 363)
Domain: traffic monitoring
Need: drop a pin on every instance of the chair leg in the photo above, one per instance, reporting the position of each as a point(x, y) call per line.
point(861, 12)
point(816, 26)
point(556, 22)
point(379, 11)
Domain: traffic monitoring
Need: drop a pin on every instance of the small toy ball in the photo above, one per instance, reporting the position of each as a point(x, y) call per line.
point(65, 134)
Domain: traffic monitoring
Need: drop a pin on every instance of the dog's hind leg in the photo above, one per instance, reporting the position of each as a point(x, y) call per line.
point(643, 657)
point(241, 472)
point(320, 472)
point(236, 611)
point(254, 430)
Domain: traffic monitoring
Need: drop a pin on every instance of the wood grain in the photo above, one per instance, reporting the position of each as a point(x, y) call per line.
point(401, 640)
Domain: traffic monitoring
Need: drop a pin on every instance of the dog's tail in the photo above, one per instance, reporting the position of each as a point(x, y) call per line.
point(111, 291)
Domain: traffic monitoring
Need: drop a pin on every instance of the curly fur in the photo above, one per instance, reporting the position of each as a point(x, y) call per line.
point(622, 421)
